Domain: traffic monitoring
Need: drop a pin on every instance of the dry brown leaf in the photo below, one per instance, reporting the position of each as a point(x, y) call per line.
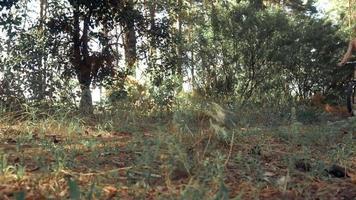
point(32, 168)
point(110, 192)
point(35, 196)
point(63, 193)
point(269, 193)
point(353, 177)
point(269, 174)
point(124, 193)
point(11, 141)
point(6, 190)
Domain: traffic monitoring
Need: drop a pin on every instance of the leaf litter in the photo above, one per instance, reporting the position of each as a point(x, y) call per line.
point(105, 166)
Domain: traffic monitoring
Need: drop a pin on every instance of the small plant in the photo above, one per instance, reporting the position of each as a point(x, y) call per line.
point(74, 191)
point(194, 191)
point(91, 144)
point(20, 172)
point(60, 159)
point(20, 195)
point(5, 168)
point(3, 162)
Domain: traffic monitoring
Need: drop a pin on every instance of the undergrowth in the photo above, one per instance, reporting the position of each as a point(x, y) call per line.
point(195, 151)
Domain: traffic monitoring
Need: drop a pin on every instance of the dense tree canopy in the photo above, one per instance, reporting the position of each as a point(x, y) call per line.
point(246, 51)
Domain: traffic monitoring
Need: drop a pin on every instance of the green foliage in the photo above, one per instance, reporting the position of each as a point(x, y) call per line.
point(3, 163)
point(223, 192)
point(74, 191)
point(193, 193)
point(20, 195)
point(309, 115)
point(249, 51)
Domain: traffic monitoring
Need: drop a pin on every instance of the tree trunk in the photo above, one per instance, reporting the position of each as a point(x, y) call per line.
point(43, 12)
point(150, 8)
point(352, 17)
point(42, 61)
point(180, 38)
point(190, 39)
point(130, 51)
point(81, 61)
point(86, 102)
point(130, 40)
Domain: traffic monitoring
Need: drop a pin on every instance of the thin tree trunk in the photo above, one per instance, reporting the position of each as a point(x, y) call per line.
point(130, 41)
point(117, 45)
point(42, 62)
point(151, 13)
point(180, 38)
point(43, 12)
point(350, 15)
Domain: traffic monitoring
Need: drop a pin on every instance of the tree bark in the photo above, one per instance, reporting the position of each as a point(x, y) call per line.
point(41, 58)
point(82, 62)
point(180, 38)
point(130, 40)
point(43, 12)
point(86, 102)
point(150, 8)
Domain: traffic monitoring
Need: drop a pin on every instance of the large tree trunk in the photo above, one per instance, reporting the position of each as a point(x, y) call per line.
point(84, 78)
point(82, 63)
point(86, 102)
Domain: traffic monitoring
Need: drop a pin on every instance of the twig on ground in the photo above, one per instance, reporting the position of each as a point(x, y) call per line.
point(231, 147)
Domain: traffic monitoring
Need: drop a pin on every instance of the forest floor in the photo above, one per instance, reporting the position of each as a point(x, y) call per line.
point(75, 159)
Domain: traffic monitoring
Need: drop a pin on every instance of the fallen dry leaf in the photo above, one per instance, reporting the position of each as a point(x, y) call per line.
point(110, 192)
point(32, 168)
point(353, 177)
